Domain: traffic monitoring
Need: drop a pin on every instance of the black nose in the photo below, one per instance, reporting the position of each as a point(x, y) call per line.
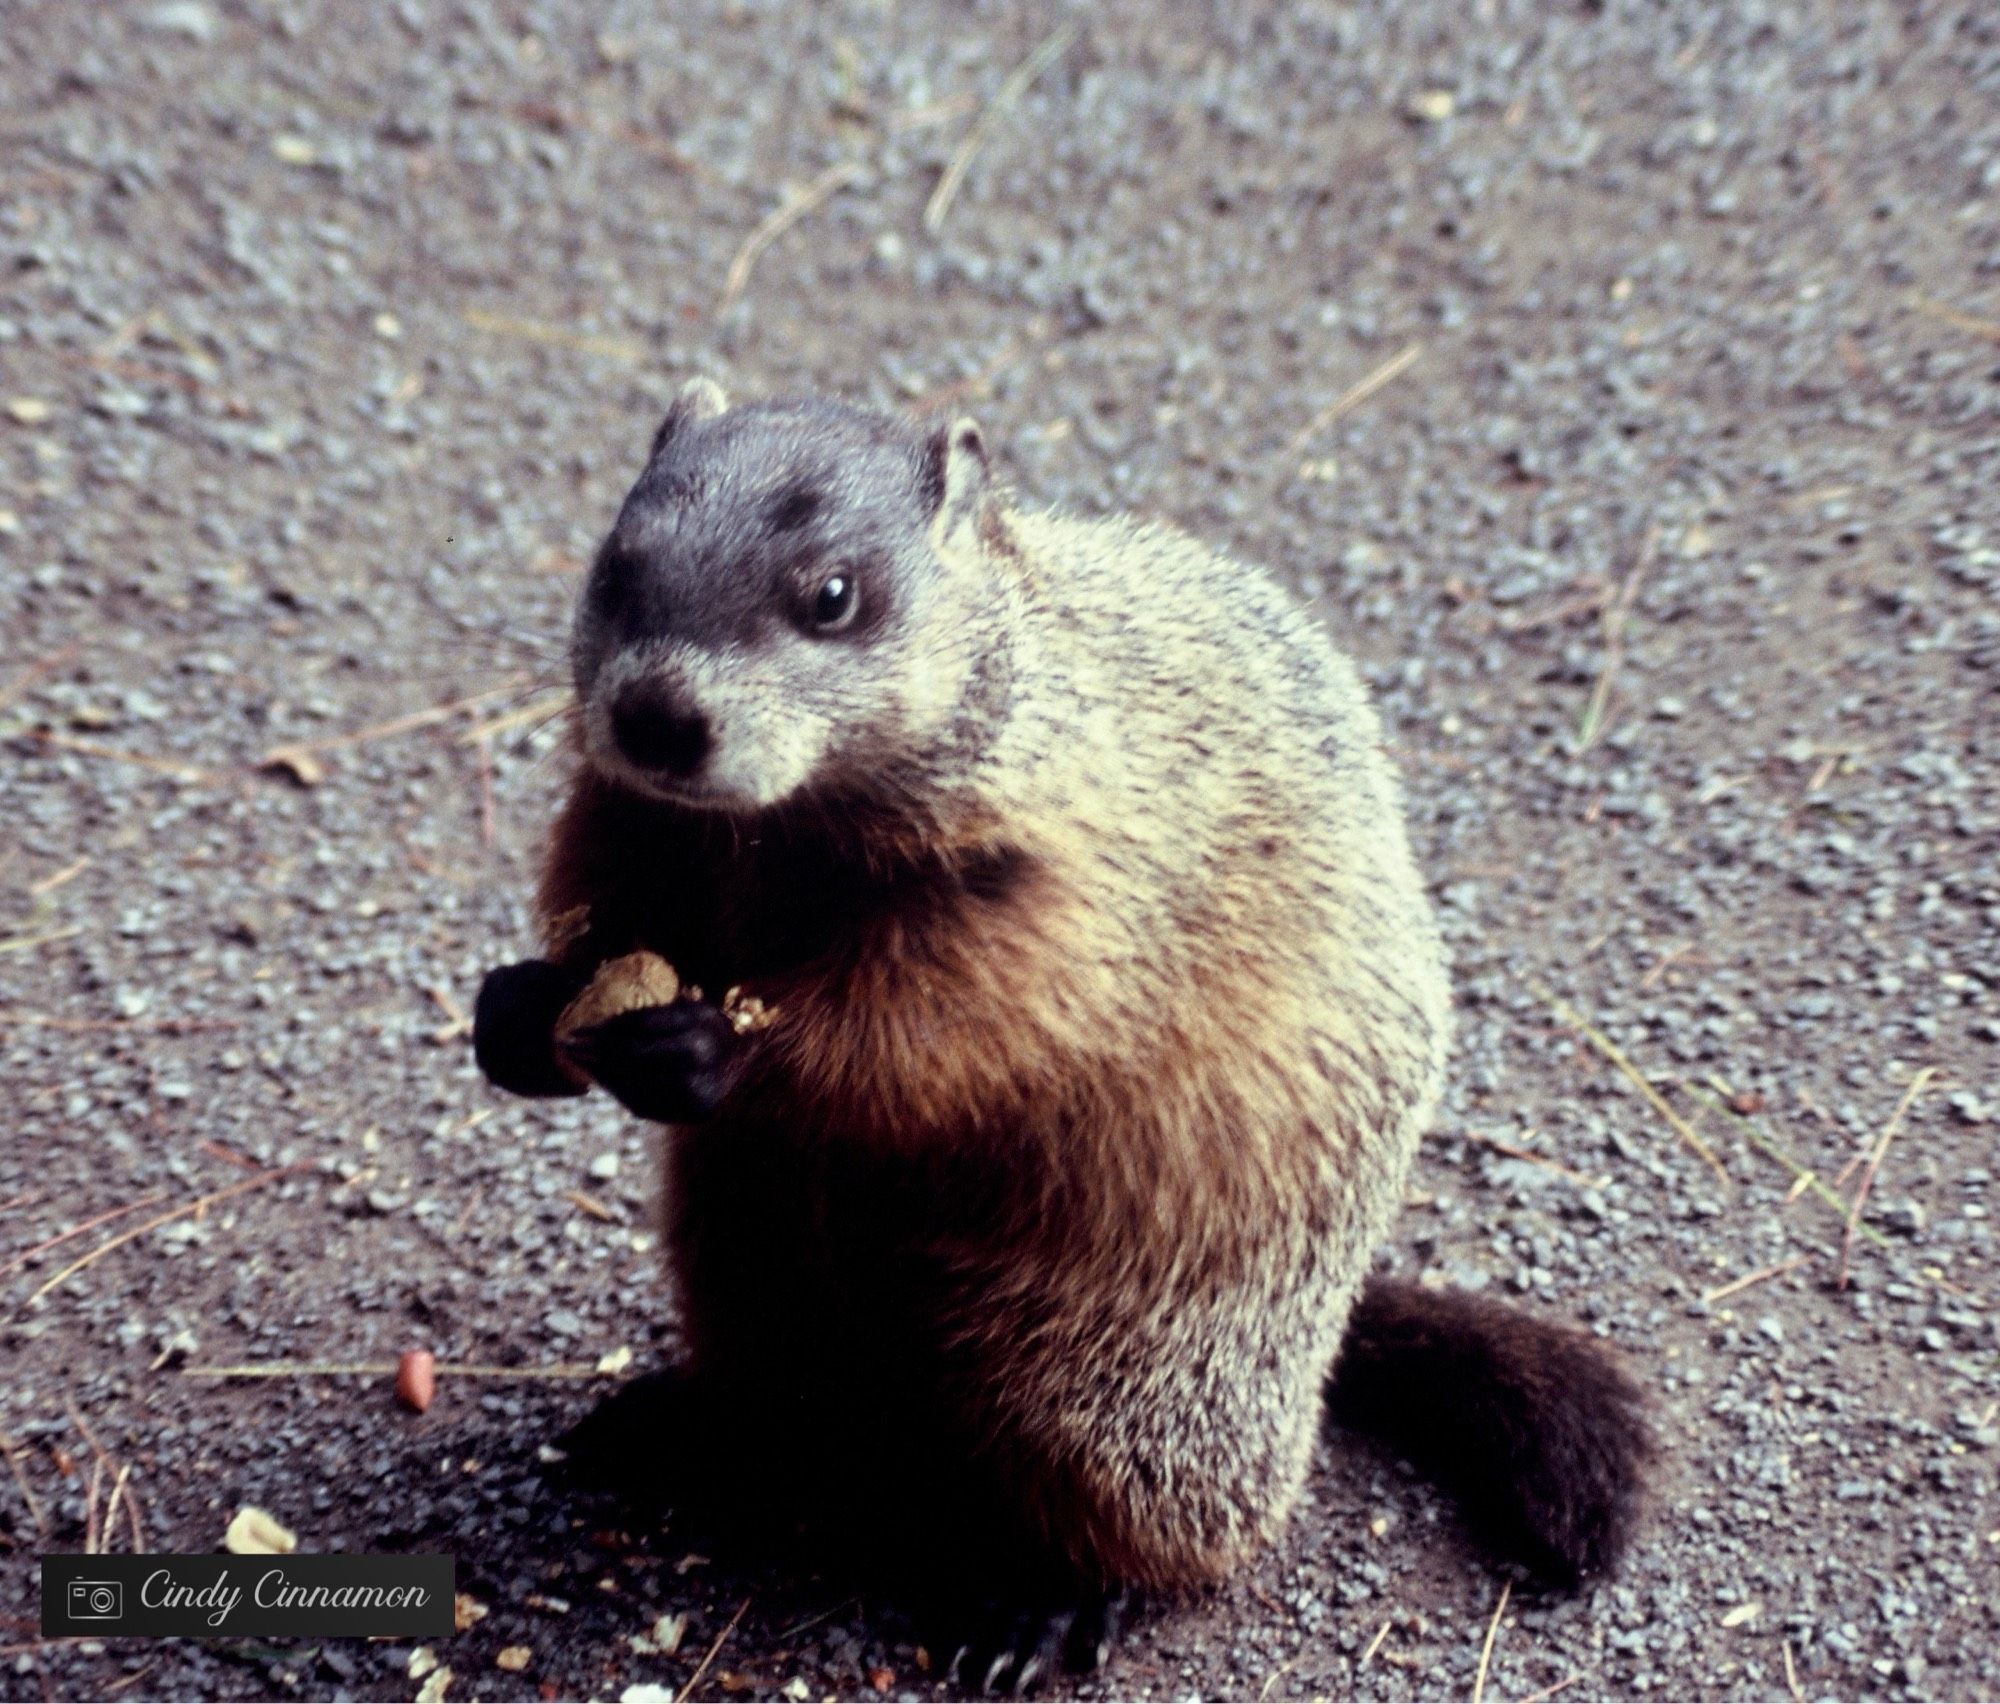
point(656, 729)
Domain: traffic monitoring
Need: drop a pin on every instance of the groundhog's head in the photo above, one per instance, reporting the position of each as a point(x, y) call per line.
point(791, 604)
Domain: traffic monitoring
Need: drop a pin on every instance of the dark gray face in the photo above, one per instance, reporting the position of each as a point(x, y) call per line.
point(772, 606)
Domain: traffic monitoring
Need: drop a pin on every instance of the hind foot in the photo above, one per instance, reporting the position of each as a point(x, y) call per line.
point(639, 1441)
point(1009, 1645)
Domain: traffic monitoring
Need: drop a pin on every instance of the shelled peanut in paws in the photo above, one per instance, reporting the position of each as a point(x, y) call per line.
point(621, 985)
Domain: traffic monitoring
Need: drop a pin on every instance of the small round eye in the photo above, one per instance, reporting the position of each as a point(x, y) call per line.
point(835, 604)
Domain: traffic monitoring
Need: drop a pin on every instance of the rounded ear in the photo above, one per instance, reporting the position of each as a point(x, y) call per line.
point(956, 471)
point(699, 399)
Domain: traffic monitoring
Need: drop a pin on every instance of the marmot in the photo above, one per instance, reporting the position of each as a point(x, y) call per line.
point(1107, 1009)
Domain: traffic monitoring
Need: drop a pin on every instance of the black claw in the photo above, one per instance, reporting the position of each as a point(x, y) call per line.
point(1096, 1631)
point(994, 1670)
point(1013, 1647)
point(1045, 1646)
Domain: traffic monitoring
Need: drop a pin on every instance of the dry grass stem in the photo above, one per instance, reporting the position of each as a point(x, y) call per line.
point(200, 1204)
point(132, 1517)
point(1375, 1644)
point(68, 873)
point(1917, 1084)
point(459, 1024)
point(1976, 325)
point(560, 336)
point(1735, 1285)
point(427, 717)
point(695, 1679)
point(1533, 1158)
point(1617, 614)
point(976, 384)
point(1276, 1675)
point(546, 115)
point(1632, 1074)
point(111, 1503)
point(92, 748)
point(1804, 1177)
point(91, 1026)
point(1559, 614)
point(104, 1218)
point(1353, 397)
point(471, 1206)
point(1492, 1632)
point(83, 1428)
point(11, 1451)
point(90, 1527)
point(24, 680)
point(1564, 1684)
point(535, 710)
point(47, 938)
point(789, 212)
point(1667, 961)
point(930, 113)
point(1019, 81)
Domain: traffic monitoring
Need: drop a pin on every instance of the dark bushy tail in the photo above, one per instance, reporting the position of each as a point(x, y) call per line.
point(1531, 1426)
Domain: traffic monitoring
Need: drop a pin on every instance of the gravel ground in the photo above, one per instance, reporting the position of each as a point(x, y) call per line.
point(332, 334)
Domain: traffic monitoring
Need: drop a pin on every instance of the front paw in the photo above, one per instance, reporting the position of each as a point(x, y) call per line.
point(1013, 1644)
point(672, 1064)
point(644, 1441)
point(513, 1024)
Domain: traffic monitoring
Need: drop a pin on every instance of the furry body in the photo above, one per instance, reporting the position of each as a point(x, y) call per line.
point(1111, 1006)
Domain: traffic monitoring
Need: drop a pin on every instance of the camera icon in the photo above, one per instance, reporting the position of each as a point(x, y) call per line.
point(96, 1600)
